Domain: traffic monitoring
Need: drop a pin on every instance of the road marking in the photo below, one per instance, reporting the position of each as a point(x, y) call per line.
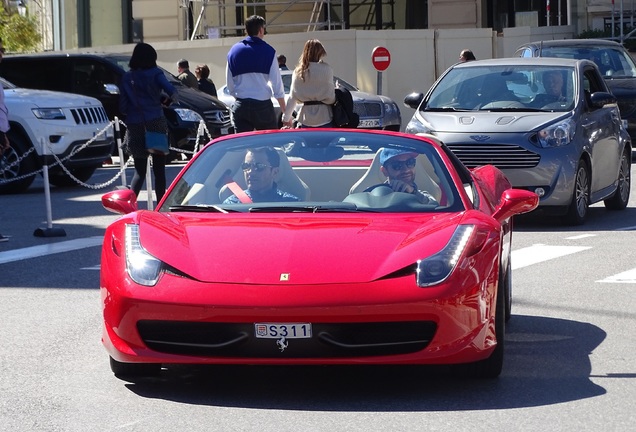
point(628, 276)
point(48, 249)
point(539, 253)
point(579, 237)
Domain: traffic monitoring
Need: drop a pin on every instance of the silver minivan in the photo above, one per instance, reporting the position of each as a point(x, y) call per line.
point(551, 125)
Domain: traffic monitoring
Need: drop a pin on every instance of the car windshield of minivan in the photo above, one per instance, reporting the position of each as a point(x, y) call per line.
point(612, 62)
point(504, 88)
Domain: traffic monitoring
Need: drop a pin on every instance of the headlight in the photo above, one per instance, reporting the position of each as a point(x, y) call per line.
point(142, 267)
point(49, 113)
point(416, 126)
point(188, 115)
point(557, 135)
point(437, 268)
point(391, 109)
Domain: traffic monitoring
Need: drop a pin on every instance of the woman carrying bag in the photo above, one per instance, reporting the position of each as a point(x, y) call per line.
point(312, 85)
point(142, 103)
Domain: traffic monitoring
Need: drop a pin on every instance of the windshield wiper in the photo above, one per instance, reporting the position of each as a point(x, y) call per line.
point(323, 208)
point(203, 208)
point(511, 109)
point(446, 109)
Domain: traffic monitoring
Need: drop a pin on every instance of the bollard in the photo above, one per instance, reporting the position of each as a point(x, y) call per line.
point(149, 199)
point(122, 160)
point(49, 231)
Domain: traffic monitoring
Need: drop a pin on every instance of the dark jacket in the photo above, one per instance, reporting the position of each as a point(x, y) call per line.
point(207, 86)
point(140, 94)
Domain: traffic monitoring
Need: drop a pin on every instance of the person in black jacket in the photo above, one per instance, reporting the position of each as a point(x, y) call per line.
point(206, 85)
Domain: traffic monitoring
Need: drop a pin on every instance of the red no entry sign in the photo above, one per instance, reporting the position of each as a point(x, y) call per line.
point(381, 58)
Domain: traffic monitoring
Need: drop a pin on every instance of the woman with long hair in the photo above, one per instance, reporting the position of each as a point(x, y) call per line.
point(312, 85)
point(141, 100)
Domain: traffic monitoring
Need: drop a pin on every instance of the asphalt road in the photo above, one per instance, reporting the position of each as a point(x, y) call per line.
point(570, 353)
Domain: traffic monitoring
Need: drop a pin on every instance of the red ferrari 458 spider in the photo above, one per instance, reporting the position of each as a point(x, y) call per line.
point(304, 247)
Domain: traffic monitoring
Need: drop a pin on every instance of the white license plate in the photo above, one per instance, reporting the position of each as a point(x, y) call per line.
point(367, 123)
point(278, 330)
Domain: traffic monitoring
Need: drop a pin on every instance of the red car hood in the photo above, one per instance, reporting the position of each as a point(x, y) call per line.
point(307, 249)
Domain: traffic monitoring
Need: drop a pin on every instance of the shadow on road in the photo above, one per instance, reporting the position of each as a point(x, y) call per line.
point(547, 362)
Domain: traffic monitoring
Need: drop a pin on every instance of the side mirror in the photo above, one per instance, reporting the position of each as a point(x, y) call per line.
point(515, 201)
point(122, 201)
point(600, 99)
point(413, 100)
point(111, 89)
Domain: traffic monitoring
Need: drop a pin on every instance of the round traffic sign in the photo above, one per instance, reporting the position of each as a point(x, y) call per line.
point(381, 58)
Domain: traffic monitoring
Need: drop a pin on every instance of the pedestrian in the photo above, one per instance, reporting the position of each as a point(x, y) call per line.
point(466, 55)
point(251, 67)
point(142, 102)
point(185, 76)
point(206, 85)
point(5, 145)
point(312, 85)
point(282, 62)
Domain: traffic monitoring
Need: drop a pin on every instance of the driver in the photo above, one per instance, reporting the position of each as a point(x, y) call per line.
point(260, 167)
point(399, 168)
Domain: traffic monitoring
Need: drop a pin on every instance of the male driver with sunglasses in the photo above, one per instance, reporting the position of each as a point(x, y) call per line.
point(260, 169)
point(399, 168)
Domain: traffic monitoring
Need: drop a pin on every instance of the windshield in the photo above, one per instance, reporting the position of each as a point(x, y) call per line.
point(514, 88)
point(313, 171)
point(613, 62)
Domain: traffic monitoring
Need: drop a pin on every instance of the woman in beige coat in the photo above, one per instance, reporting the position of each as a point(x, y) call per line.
point(312, 86)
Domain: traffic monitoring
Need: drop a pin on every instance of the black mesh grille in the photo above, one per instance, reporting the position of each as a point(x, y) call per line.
point(368, 109)
point(328, 339)
point(500, 155)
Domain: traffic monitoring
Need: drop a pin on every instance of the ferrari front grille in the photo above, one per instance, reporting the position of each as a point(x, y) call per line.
point(329, 339)
point(503, 156)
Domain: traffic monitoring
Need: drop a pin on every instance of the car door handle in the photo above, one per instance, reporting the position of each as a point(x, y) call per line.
point(588, 124)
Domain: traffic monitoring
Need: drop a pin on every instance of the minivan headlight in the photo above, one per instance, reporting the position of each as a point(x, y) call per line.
point(416, 126)
point(557, 135)
point(188, 115)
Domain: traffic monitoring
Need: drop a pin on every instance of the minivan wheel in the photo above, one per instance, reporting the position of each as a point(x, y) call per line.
point(578, 208)
point(619, 200)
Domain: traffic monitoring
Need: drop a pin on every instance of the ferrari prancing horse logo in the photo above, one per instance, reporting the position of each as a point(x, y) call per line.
point(284, 277)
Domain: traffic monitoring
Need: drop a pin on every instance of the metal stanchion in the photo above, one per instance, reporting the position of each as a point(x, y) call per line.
point(122, 160)
point(149, 183)
point(49, 231)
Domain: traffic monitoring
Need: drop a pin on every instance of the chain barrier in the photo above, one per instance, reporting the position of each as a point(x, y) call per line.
point(4, 167)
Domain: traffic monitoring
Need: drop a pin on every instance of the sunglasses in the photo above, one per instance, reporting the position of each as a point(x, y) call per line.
point(400, 165)
point(258, 167)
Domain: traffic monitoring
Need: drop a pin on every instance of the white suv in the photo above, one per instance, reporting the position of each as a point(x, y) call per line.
point(52, 123)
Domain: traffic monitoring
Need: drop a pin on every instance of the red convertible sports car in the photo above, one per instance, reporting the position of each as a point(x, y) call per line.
point(321, 246)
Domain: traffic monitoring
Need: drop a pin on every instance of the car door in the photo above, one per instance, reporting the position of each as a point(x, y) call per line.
point(601, 127)
point(90, 76)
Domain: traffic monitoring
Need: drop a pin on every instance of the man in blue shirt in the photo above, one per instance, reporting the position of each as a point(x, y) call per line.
point(260, 168)
point(399, 168)
point(251, 65)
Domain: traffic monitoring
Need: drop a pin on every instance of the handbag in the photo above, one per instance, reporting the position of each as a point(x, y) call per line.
point(157, 142)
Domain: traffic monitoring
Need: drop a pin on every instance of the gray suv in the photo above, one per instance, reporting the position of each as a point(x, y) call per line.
point(551, 125)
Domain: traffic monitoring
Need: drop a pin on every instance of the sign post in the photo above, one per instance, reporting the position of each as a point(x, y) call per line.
point(381, 59)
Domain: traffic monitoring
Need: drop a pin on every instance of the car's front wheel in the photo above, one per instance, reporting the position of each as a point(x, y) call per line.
point(579, 207)
point(134, 370)
point(619, 200)
point(15, 166)
point(490, 367)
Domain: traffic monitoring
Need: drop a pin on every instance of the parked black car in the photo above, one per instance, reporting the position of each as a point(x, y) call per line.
point(613, 60)
point(98, 75)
